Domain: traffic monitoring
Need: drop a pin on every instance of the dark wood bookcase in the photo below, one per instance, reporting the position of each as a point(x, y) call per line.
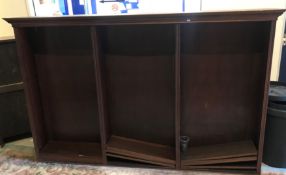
point(123, 89)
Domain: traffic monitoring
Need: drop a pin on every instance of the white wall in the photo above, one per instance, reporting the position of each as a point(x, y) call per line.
point(278, 44)
point(11, 8)
point(241, 4)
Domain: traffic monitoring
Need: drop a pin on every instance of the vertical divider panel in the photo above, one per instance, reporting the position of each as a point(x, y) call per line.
point(97, 58)
point(32, 91)
point(177, 95)
point(265, 95)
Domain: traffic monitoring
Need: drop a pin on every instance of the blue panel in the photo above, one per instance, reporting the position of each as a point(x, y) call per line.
point(93, 6)
point(63, 7)
point(124, 11)
point(77, 8)
point(134, 5)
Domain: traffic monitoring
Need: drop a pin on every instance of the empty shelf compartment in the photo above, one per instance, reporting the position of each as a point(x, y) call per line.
point(83, 152)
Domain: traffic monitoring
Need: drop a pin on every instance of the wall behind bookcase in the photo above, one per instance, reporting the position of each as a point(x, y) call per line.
point(11, 8)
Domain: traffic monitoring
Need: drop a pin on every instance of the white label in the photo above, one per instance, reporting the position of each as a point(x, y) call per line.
point(81, 2)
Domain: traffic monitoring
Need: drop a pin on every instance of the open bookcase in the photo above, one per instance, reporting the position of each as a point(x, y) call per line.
point(122, 90)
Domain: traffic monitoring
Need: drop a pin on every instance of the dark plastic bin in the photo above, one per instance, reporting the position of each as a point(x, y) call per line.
point(275, 135)
point(277, 92)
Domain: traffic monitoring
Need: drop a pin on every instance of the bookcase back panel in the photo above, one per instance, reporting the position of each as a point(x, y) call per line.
point(225, 105)
point(138, 40)
point(65, 74)
point(140, 81)
point(61, 40)
point(227, 37)
point(223, 71)
point(140, 97)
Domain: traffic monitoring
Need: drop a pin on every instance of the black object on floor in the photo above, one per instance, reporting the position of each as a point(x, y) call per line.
point(275, 133)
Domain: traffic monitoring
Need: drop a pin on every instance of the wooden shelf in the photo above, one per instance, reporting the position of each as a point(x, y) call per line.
point(141, 151)
point(221, 153)
point(123, 162)
point(80, 152)
point(140, 160)
point(228, 160)
point(228, 166)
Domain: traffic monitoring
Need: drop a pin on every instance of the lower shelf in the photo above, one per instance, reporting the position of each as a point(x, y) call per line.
point(83, 152)
point(119, 162)
point(230, 166)
point(141, 151)
point(243, 151)
point(236, 155)
point(219, 161)
point(140, 160)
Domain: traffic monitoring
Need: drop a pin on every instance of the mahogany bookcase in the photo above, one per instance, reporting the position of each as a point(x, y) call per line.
point(123, 89)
